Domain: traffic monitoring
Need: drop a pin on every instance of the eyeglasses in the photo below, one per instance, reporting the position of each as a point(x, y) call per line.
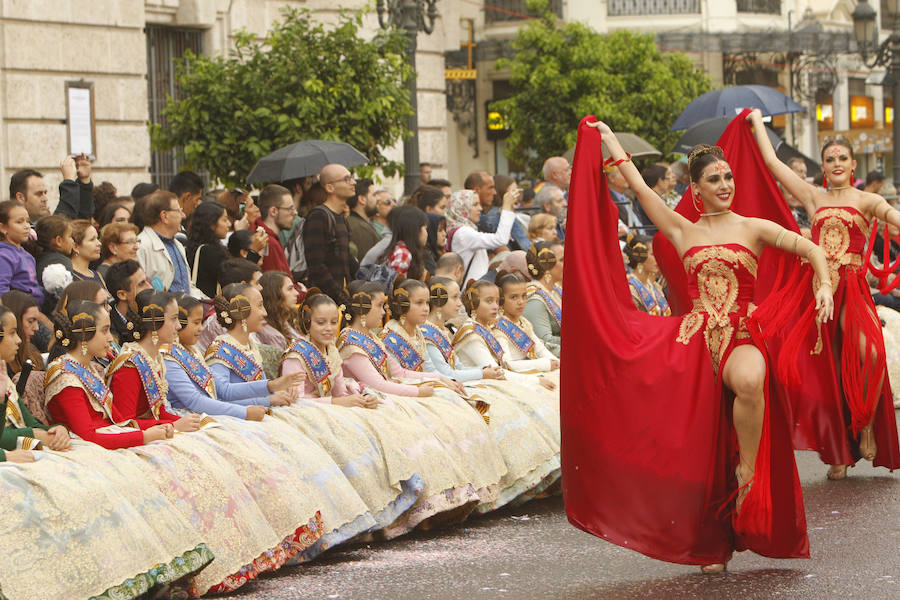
point(179, 209)
point(346, 179)
point(134, 242)
point(290, 208)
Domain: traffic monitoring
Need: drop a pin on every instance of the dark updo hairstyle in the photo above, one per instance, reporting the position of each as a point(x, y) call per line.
point(362, 293)
point(85, 289)
point(186, 303)
point(472, 295)
point(314, 298)
point(701, 156)
point(148, 313)
point(401, 295)
point(541, 258)
point(47, 229)
point(427, 196)
point(505, 278)
point(407, 223)
point(75, 322)
point(232, 305)
point(438, 292)
point(637, 249)
point(837, 141)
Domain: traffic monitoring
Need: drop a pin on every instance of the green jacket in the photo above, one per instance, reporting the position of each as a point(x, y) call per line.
point(9, 435)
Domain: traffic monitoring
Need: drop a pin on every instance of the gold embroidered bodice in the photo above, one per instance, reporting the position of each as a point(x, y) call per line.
point(721, 283)
point(840, 231)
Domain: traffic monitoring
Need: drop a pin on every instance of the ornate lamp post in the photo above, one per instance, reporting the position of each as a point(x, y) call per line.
point(886, 54)
point(412, 16)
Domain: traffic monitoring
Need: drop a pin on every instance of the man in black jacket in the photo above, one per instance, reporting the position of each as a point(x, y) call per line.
point(124, 280)
point(76, 191)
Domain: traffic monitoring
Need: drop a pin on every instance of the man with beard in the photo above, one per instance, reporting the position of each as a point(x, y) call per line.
point(363, 206)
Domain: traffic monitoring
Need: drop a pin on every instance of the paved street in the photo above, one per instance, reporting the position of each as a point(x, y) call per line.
point(532, 552)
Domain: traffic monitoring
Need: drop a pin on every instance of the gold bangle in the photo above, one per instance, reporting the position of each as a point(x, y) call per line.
point(780, 238)
point(796, 241)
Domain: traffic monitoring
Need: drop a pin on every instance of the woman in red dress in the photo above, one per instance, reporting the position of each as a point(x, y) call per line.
point(855, 424)
point(678, 447)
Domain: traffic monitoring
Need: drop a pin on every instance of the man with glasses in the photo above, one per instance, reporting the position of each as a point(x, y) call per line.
point(276, 212)
point(326, 237)
point(160, 254)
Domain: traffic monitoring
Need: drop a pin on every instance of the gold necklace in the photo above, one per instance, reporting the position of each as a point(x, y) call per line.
point(716, 214)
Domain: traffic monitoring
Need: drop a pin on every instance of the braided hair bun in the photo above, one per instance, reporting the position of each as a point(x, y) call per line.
point(75, 322)
point(400, 298)
point(439, 291)
point(232, 305)
point(541, 258)
point(637, 249)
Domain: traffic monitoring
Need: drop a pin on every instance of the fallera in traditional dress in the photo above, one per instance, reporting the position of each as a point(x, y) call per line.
point(203, 482)
point(544, 311)
point(289, 475)
point(118, 485)
point(531, 461)
point(454, 484)
point(475, 345)
point(649, 448)
point(367, 450)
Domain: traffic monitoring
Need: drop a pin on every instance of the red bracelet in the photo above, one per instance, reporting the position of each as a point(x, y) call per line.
point(609, 161)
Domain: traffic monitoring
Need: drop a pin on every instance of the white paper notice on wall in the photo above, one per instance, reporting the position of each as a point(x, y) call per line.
point(80, 119)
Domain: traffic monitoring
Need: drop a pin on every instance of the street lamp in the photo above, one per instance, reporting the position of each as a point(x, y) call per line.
point(886, 54)
point(412, 16)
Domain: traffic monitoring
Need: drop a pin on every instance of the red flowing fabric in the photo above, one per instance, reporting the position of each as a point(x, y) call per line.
point(820, 417)
point(648, 449)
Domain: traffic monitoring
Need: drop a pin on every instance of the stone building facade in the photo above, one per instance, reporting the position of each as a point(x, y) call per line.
point(124, 49)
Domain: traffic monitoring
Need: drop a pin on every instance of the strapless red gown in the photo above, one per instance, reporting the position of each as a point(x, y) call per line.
point(649, 450)
point(829, 421)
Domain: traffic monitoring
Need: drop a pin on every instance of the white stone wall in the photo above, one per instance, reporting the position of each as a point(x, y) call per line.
point(48, 42)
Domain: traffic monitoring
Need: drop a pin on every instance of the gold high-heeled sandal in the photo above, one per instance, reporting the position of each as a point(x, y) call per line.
point(867, 446)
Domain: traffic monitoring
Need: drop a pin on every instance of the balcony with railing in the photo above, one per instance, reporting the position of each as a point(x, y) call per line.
point(768, 7)
point(502, 11)
point(625, 8)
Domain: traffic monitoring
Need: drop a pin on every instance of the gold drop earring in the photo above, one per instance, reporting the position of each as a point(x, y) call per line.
point(403, 320)
point(362, 321)
point(244, 325)
point(154, 337)
point(83, 348)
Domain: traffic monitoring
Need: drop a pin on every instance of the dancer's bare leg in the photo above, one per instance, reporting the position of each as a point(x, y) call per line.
point(745, 374)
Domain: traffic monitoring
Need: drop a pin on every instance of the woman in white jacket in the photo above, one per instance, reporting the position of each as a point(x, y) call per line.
point(463, 236)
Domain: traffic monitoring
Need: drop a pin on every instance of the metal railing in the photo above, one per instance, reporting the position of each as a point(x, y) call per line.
point(769, 7)
point(164, 46)
point(499, 11)
point(622, 8)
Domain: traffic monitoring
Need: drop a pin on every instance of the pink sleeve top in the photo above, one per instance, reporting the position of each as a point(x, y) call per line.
point(360, 368)
point(307, 389)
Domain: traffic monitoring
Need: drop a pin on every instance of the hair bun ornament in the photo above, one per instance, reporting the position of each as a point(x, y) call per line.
point(226, 317)
point(361, 302)
point(704, 149)
point(401, 297)
point(439, 294)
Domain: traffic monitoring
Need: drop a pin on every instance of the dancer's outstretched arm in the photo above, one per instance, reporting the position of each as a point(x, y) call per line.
point(793, 183)
point(669, 222)
point(774, 234)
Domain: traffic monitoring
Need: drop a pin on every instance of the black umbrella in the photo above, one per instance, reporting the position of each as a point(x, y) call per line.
point(709, 131)
point(303, 159)
point(731, 100)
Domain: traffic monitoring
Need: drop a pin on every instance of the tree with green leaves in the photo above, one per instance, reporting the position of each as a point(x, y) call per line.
point(303, 80)
point(563, 71)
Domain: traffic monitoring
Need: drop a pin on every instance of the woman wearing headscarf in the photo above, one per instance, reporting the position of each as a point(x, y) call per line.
point(463, 236)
